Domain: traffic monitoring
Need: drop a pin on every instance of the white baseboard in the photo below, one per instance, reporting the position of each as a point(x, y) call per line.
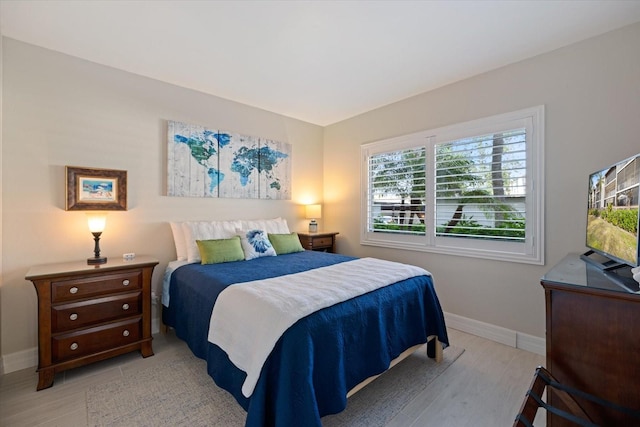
point(29, 358)
point(19, 360)
point(497, 333)
point(155, 326)
point(532, 343)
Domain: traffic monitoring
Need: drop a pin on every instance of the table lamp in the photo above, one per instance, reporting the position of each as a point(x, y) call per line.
point(97, 222)
point(313, 212)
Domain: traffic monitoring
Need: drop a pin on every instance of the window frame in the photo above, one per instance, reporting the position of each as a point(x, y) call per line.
point(530, 252)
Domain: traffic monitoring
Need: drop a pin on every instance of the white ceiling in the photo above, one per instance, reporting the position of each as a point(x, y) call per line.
point(317, 61)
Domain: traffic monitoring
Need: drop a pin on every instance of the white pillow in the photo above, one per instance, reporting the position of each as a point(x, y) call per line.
point(273, 226)
point(179, 241)
point(206, 230)
point(255, 244)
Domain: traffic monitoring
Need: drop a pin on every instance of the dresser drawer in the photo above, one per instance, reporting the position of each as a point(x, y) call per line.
point(321, 242)
point(66, 290)
point(93, 340)
point(73, 315)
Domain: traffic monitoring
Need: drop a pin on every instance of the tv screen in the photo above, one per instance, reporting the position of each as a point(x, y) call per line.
point(612, 222)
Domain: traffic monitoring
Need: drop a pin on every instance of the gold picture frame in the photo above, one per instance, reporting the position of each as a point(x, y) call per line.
point(90, 189)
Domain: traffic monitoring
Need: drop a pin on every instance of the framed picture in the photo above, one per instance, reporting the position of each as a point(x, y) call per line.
point(96, 189)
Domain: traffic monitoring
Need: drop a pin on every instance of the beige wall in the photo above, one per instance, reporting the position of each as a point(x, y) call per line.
point(62, 111)
point(591, 91)
point(1, 156)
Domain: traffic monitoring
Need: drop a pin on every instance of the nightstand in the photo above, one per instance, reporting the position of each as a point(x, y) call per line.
point(88, 313)
point(320, 241)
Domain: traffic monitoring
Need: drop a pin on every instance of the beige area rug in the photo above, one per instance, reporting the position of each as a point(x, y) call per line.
point(181, 393)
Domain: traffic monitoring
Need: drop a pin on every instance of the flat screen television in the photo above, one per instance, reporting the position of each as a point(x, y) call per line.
point(612, 219)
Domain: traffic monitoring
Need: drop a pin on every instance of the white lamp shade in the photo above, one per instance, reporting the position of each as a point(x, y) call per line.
point(97, 222)
point(313, 211)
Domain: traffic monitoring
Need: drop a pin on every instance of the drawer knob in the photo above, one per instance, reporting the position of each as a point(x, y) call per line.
point(73, 316)
point(125, 282)
point(125, 333)
point(125, 306)
point(73, 290)
point(74, 346)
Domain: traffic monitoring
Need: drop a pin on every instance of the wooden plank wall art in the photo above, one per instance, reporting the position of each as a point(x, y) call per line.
point(213, 163)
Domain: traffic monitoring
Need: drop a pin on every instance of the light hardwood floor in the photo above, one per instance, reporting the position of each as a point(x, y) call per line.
point(484, 387)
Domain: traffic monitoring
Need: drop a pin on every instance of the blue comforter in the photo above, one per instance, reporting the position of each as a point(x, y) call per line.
point(322, 356)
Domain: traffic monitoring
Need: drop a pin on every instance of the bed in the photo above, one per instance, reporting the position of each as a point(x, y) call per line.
point(321, 358)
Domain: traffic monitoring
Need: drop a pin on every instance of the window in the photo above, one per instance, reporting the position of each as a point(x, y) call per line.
point(472, 189)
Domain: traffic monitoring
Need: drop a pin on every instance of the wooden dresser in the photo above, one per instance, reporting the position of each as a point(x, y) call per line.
point(318, 241)
point(89, 313)
point(593, 343)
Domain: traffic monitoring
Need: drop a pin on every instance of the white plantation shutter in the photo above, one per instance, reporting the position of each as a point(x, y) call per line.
point(473, 189)
point(397, 191)
point(481, 186)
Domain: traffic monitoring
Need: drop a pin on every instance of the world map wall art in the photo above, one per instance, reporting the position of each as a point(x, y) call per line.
point(213, 163)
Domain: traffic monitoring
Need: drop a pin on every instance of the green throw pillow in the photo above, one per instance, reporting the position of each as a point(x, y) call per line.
point(220, 250)
point(286, 243)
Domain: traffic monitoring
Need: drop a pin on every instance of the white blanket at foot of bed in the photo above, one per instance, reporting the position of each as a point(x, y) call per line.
point(249, 318)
